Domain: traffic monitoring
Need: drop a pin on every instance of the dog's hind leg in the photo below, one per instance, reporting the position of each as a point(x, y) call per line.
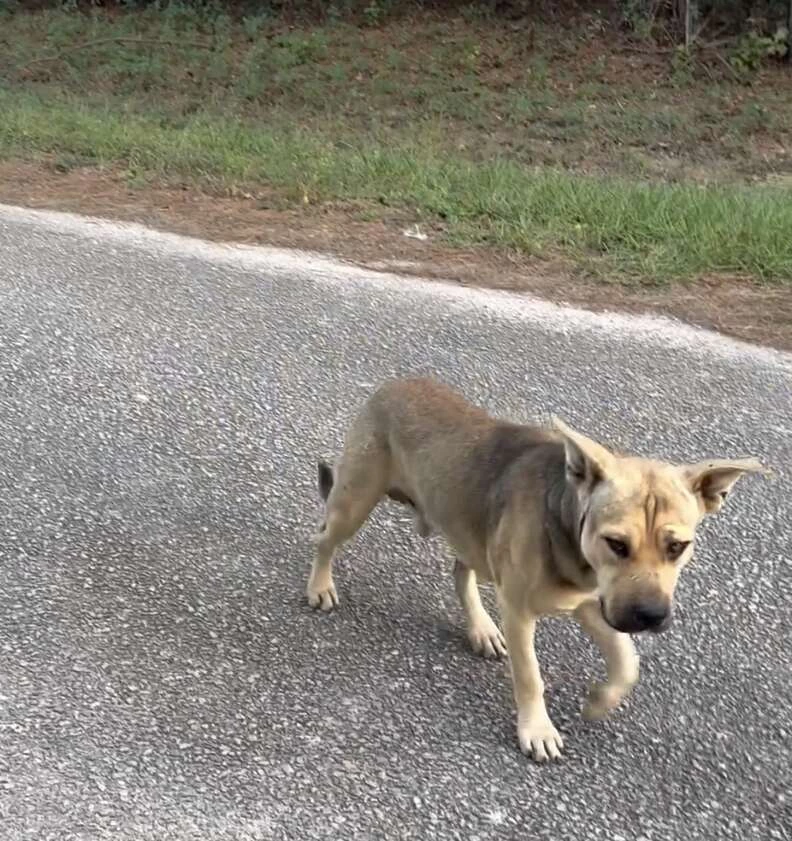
point(351, 495)
point(483, 633)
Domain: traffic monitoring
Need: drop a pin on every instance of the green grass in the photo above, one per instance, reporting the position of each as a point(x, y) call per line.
point(481, 84)
point(508, 140)
point(617, 228)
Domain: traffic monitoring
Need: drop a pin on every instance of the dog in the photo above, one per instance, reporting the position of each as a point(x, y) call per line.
point(560, 524)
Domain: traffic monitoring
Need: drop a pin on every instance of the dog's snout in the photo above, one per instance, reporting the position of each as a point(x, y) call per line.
point(645, 615)
point(651, 616)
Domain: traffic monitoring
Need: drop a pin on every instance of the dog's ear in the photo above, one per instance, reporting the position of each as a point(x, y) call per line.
point(587, 462)
point(712, 481)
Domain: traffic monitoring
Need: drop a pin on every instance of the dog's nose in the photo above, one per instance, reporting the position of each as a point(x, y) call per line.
point(651, 616)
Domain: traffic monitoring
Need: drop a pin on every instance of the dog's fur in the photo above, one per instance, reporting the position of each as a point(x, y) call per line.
point(559, 524)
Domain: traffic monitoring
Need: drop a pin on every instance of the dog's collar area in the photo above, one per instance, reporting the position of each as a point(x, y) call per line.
point(581, 526)
point(565, 547)
point(586, 566)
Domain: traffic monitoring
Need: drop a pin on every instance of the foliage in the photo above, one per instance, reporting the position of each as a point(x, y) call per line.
point(752, 49)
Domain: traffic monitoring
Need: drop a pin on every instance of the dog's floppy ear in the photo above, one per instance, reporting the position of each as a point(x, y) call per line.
point(587, 462)
point(712, 481)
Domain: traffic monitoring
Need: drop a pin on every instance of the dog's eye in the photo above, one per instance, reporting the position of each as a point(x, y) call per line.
point(676, 547)
point(618, 547)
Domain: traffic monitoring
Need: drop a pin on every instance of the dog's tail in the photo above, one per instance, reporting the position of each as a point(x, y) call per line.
point(325, 479)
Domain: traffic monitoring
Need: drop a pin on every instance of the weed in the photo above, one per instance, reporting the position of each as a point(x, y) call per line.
point(539, 71)
point(753, 49)
point(376, 12)
point(253, 24)
point(639, 16)
point(476, 12)
point(753, 118)
point(298, 48)
point(682, 65)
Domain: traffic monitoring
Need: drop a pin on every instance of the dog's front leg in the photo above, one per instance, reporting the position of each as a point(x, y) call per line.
point(621, 661)
point(538, 737)
point(483, 633)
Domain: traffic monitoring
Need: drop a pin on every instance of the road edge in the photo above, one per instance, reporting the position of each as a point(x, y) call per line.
point(325, 269)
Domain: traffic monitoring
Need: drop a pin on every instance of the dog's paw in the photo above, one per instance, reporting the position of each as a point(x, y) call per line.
point(602, 699)
point(486, 640)
point(539, 739)
point(323, 598)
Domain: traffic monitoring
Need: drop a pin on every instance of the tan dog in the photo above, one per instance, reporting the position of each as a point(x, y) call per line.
point(556, 521)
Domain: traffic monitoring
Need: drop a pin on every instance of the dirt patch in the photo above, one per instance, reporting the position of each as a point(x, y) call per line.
point(755, 313)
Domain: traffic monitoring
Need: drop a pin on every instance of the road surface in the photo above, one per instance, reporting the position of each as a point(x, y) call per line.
point(163, 403)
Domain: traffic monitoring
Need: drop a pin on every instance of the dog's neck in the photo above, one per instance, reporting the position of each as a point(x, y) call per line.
point(565, 522)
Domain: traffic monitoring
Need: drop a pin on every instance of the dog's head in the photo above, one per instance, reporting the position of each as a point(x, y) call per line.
point(638, 522)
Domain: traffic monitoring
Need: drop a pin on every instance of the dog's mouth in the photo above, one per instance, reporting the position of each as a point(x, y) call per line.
point(605, 616)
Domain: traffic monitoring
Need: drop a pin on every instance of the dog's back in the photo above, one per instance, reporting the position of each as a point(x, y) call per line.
point(445, 449)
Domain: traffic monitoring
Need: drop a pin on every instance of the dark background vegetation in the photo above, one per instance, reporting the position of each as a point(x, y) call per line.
point(663, 18)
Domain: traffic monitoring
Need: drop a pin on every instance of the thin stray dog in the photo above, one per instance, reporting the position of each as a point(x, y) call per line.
point(559, 524)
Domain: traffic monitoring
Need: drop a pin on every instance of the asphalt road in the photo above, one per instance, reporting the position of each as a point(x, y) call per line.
point(162, 405)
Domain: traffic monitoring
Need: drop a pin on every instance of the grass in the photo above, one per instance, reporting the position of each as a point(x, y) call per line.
point(450, 120)
point(645, 230)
